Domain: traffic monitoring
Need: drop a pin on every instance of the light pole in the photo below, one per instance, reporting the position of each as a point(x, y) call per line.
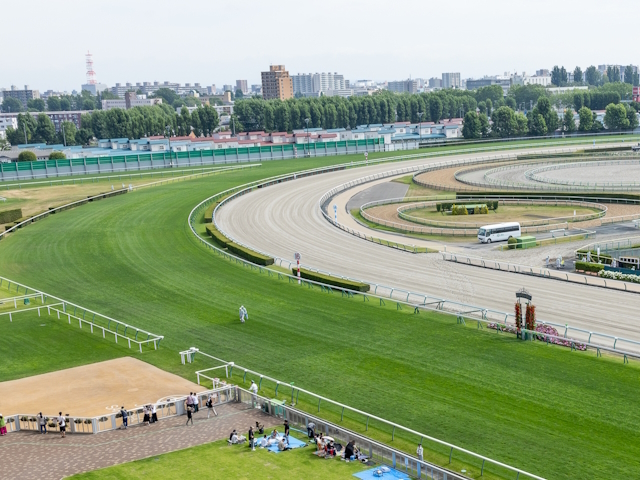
point(420, 126)
point(24, 128)
point(306, 120)
point(168, 130)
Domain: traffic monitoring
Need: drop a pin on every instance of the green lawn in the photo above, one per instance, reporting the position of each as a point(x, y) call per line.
point(556, 413)
point(505, 213)
point(218, 460)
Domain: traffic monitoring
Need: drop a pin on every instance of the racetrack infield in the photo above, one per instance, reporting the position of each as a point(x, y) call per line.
point(91, 390)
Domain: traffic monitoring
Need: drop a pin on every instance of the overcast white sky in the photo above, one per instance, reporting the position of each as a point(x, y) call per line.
point(217, 42)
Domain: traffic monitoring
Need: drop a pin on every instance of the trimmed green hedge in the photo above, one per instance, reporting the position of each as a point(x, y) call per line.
point(9, 216)
point(250, 255)
point(589, 267)
point(217, 236)
point(335, 281)
point(239, 250)
point(208, 213)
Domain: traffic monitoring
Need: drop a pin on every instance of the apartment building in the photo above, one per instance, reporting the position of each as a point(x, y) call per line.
point(23, 96)
point(276, 83)
point(310, 84)
point(451, 80)
point(403, 86)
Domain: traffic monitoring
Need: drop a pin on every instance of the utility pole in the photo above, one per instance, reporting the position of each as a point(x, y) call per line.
point(64, 137)
point(24, 127)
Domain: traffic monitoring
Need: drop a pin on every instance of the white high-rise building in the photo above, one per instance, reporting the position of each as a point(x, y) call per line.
point(312, 84)
point(451, 80)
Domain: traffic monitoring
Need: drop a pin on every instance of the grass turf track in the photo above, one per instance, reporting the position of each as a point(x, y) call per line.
point(556, 413)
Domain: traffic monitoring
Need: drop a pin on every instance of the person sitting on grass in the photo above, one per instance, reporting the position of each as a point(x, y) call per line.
point(259, 428)
point(264, 443)
point(274, 434)
point(283, 444)
point(330, 450)
point(233, 438)
point(349, 451)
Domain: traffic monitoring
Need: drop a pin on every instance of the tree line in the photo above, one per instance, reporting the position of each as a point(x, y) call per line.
point(137, 122)
point(593, 76)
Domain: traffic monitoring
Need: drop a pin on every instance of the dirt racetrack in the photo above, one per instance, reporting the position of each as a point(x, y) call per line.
point(92, 390)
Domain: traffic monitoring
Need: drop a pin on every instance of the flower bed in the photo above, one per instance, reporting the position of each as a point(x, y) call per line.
point(625, 277)
point(544, 330)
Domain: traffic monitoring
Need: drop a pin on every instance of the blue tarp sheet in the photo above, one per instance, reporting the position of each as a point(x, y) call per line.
point(293, 443)
point(391, 473)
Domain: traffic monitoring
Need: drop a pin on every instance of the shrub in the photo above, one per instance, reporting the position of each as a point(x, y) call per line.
point(438, 206)
point(250, 255)
point(208, 213)
point(625, 277)
point(217, 236)
point(484, 209)
point(589, 267)
point(512, 242)
point(459, 210)
point(335, 281)
point(495, 204)
point(9, 216)
point(27, 156)
point(57, 156)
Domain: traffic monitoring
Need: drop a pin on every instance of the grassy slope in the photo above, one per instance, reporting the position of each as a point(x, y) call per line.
point(237, 462)
point(133, 257)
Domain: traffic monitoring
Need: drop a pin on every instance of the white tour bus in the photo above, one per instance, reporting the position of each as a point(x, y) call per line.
point(498, 232)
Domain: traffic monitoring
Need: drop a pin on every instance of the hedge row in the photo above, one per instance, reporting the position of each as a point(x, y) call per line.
point(9, 216)
point(335, 281)
point(208, 213)
point(217, 236)
point(239, 250)
point(589, 267)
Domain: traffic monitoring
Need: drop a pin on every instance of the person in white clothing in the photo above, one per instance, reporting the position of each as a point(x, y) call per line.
point(264, 443)
point(254, 390)
point(154, 414)
point(243, 314)
point(62, 424)
point(420, 452)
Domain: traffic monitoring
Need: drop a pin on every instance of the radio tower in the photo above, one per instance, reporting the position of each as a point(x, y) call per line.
point(91, 75)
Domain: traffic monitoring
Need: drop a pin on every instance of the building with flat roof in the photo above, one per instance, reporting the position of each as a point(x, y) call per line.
point(311, 84)
point(23, 96)
point(73, 116)
point(276, 83)
point(403, 86)
point(94, 88)
point(131, 99)
point(242, 86)
point(451, 80)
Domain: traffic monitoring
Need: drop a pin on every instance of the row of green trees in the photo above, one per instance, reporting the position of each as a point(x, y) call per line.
point(40, 129)
point(593, 76)
point(137, 122)
point(83, 101)
point(543, 120)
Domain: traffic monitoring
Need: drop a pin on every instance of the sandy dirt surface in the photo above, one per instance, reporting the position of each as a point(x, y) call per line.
point(92, 390)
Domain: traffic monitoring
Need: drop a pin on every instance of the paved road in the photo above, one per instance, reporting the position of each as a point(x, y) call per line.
point(29, 455)
point(285, 218)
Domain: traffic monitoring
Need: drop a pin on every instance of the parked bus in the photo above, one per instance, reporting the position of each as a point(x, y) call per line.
point(498, 232)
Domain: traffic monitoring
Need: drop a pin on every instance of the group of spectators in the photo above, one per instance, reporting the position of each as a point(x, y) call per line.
point(282, 441)
point(193, 406)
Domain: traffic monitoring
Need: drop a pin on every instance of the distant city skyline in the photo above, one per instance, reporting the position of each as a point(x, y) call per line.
point(417, 41)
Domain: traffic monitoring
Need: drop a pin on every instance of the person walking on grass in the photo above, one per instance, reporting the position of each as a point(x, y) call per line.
point(189, 416)
point(243, 314)
point(125, 417)
point(286, 428)
point(210, 407)
point(62, 424)
point(42, 423)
